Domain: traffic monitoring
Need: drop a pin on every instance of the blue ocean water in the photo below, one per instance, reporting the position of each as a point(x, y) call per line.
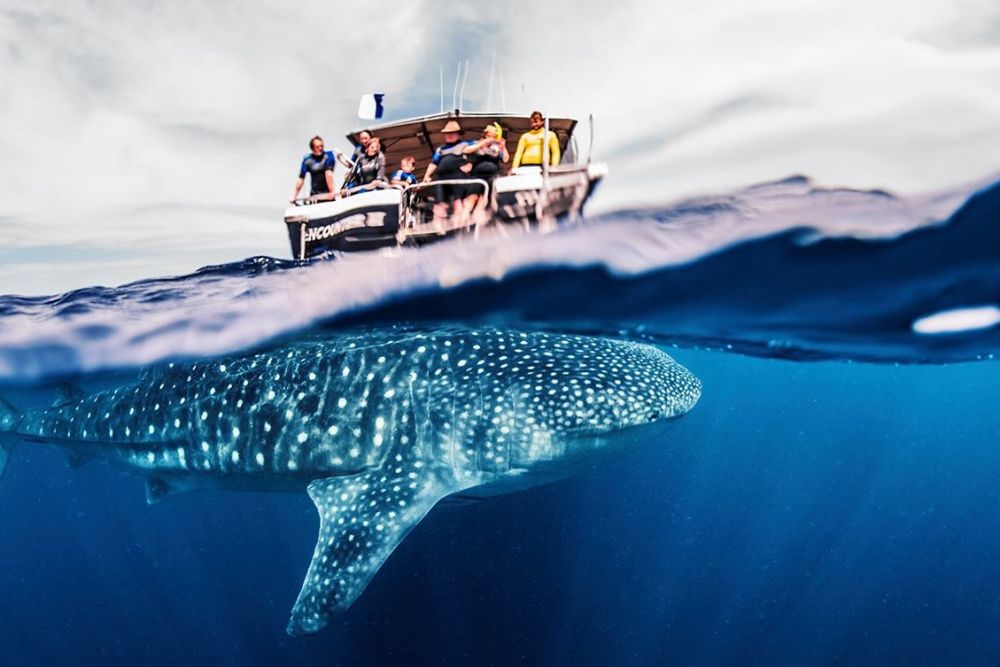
point(830, 498)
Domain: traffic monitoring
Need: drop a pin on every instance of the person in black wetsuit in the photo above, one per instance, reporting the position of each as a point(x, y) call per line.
point(364, 136)
point(450, 162)
point(369, 169)
point(319, 165)
point(486, 156)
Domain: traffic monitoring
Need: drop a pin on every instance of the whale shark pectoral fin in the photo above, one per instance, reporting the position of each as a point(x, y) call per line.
point(362, 519)
point(157, 489)
point(78, 459)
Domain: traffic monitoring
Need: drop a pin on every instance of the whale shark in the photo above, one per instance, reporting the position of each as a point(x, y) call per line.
point(377, 426)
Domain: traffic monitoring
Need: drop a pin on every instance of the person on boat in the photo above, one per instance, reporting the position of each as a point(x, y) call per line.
point(450, 162)
point(364, 137)
point(404, 175)
point(530, 145)
point(486, 156)
point(369, 169)
point(318, 163)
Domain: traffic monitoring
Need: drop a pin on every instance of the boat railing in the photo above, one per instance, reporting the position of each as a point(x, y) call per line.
point(417, 214)
point(313, 199)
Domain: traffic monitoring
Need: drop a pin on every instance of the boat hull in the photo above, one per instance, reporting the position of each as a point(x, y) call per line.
point(371, 220)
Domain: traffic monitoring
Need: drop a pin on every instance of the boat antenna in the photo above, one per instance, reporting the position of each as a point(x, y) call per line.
point(503, 93)
point(489, 94)
point(461, 95)
point(454, 93)
point(442, 88)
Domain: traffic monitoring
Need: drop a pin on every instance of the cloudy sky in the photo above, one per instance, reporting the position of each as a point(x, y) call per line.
point(130, 129)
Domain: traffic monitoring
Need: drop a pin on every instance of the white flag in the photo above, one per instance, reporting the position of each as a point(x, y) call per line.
point(371, 107)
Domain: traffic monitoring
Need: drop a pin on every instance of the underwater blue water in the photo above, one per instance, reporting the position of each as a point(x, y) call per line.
point(831, 498)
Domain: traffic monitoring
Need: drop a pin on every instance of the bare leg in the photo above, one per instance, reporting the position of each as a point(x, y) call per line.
point(440, 215)
point(479, 214)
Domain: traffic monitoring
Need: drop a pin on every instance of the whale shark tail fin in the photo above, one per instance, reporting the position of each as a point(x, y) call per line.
point(361, 520)
point(8, 418)
point(5, 448)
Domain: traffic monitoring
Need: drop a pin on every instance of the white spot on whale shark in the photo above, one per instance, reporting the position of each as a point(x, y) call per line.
point(450, 409)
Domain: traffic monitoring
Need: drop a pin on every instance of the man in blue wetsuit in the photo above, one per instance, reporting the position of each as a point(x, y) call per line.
point(319, 165)
point(450, 162)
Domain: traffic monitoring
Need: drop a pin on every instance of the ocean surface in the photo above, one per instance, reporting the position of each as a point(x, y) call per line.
point(831, 498)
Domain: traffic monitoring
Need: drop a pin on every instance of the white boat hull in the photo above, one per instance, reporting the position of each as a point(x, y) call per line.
point(371, 220)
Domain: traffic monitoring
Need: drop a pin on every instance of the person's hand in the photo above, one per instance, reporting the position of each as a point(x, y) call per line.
point(427, 179)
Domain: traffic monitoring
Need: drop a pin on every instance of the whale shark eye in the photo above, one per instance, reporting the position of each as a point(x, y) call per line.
point(653, 416)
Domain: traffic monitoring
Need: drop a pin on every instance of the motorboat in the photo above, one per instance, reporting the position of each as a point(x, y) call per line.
point(527, 197)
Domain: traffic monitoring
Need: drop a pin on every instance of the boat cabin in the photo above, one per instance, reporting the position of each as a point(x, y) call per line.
point(419, 137)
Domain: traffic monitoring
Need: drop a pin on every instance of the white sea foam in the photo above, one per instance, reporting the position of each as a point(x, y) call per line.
point(958, 320)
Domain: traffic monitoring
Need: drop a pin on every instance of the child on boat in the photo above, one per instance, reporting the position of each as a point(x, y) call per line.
point(404, 175)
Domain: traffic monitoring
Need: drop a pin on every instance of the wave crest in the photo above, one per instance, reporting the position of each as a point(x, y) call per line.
point(782, 269)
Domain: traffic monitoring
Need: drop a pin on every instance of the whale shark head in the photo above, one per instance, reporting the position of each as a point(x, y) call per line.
point(601, 394)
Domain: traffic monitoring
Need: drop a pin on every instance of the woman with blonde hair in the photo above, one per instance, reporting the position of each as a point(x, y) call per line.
point(369, 170)
point(486, 155)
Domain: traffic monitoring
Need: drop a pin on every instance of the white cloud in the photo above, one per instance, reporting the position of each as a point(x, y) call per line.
point(109, 107)
point(708, 96)
point(181, 102)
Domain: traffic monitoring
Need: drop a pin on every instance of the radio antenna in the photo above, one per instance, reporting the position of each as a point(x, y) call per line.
point(489, 94)
point(503, 94)
point(461, 95)
point(454, 93)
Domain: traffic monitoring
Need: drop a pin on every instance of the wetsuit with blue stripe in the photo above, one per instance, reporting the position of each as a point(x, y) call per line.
point(316, 167)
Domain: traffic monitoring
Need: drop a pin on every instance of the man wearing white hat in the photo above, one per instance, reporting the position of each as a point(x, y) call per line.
point(450, 162)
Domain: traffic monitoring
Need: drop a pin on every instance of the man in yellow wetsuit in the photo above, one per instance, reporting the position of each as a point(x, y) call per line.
point(529, 146)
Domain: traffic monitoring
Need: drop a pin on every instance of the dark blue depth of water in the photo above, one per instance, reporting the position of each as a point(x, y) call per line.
point(800, 514)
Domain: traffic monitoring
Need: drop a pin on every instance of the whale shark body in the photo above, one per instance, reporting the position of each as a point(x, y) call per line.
point(376, 426)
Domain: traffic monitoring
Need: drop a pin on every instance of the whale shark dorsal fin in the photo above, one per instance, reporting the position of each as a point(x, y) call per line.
point(361, 520)
point(68, 393)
